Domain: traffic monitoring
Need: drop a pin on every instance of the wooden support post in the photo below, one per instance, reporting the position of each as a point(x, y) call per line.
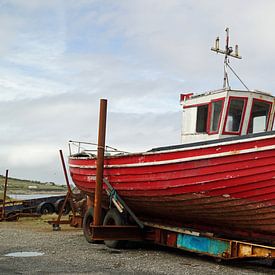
point(100, 161)
point(5, 194)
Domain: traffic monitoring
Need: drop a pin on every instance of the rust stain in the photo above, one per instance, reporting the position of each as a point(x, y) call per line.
point(235, 152)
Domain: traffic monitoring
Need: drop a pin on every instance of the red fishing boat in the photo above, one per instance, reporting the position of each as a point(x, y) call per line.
point(220, 179)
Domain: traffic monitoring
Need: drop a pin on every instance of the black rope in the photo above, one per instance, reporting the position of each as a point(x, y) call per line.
point(237, 76)
point(112, 194)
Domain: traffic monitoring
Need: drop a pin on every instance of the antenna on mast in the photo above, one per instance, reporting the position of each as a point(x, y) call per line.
point(227, 52)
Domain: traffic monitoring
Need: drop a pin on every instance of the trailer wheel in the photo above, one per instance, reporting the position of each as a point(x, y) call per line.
point(45, 209)
point(87, 222)
point(58, 205)
point(113, 217)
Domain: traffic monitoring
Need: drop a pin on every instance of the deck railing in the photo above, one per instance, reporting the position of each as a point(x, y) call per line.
point(79, 147)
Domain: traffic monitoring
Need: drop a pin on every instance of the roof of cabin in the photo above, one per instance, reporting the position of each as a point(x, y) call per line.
point(233, 90)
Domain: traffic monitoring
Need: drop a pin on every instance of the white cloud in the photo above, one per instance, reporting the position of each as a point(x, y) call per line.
point(34, 155)
point(15, 85)
point(59, 57)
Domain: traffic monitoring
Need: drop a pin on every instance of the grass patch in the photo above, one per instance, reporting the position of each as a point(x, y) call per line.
point(2, 196)
point(25, 186)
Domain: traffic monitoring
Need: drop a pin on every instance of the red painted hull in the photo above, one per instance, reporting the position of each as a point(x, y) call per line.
point(226, 186)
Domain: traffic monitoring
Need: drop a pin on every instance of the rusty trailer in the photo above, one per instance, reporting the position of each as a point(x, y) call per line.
point(120, 224)
point(184, 239)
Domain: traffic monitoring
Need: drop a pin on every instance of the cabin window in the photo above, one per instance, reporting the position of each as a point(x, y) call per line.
point(215, 117)
point(202, 112)
point(235, 114)
point(259, 116)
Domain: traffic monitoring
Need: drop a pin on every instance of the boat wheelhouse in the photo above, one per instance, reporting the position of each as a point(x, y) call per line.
point(225, 113)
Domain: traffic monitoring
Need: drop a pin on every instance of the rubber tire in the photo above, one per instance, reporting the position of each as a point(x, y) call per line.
point(113, 217)
point(46, 209)
point(58, 204)
point(87, 220)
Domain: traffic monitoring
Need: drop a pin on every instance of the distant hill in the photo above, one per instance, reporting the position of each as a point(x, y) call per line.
point(19, 186)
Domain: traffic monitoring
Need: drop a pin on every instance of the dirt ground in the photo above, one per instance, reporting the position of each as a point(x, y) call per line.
point(67, 252)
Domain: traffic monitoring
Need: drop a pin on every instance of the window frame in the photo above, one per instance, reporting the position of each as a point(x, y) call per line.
point(224, 132)
point(206, 128)
point(210, 107)
point(272, 121)
point(268, 116)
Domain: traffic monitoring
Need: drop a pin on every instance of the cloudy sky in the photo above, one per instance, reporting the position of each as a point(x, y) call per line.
point(59, 57)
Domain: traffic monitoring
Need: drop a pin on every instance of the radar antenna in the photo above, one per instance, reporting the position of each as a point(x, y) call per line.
point(227, 52)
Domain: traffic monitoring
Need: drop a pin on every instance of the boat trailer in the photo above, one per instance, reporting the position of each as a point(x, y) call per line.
point(185, 239)
point(176, 237)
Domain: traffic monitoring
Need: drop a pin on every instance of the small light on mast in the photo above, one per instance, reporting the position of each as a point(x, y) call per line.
point(236, 50)
point(217, 43)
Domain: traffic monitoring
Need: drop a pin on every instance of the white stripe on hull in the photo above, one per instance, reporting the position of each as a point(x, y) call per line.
point(162, 162)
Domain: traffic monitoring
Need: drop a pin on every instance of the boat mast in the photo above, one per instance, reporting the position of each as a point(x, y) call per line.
point(226, 60)
point(227, 52)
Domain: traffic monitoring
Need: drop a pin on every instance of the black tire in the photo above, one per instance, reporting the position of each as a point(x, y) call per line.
point(87, 222)
point(46, 208)
point(113, 217)
point(58, 205)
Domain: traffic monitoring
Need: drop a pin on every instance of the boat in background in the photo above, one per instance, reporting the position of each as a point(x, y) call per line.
point(220, 179)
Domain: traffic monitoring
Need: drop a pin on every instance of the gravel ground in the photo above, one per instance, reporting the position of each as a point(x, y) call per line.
point(67, 252)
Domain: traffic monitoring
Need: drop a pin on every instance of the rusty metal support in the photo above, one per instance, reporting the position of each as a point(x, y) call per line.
point(100, 161)
point(65, 171)
point(5, 194)
point(74, 221)
point(69, 193)
point(116, 232)
point(68, 196)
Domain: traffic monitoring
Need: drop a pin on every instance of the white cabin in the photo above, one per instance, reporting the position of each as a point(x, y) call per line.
point(226, 113)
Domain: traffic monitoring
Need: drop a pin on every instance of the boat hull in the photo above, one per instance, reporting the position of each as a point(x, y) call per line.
point(226, 186)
